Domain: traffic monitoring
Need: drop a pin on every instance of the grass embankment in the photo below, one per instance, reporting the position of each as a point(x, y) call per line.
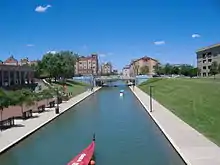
point(73, 87)
point(195, 101)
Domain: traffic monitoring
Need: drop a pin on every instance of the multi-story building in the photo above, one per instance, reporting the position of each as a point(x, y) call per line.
point(87, 65)
point(12, 73)
point(126, 71)
point(106, 68)
point(205, 57)
point(136, 65)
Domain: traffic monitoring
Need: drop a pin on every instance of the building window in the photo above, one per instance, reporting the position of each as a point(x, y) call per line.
point(209, 67)
point(204, 61)
point(204, 74)
point(209, 60)
point(204, 67)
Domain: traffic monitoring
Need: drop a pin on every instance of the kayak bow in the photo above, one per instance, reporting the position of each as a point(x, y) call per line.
point(85, 156)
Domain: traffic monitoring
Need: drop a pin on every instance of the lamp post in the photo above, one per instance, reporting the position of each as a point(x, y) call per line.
point(57, 109)
point(92, 80)
point(151, 106)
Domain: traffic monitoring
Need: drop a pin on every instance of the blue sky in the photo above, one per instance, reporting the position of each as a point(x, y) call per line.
point(118, 30)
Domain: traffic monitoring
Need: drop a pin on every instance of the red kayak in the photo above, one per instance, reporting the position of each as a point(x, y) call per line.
point(85, 156)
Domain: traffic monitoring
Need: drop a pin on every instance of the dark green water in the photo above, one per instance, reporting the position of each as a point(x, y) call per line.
point(125, 135)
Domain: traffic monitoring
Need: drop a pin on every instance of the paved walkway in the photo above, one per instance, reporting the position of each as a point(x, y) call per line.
point(194, 148)
point(13, 135)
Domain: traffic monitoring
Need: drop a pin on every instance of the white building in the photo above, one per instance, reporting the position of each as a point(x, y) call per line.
point(126, 71)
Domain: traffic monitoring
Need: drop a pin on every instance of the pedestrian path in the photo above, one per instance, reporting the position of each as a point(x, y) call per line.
point(194, 148)
point(11, 136)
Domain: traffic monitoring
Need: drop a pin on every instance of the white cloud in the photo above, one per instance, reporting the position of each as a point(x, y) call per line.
point(42, 9)
point(159, 42)
point(30, 45)
point(52, 52)
point(102, 55)
point(195, 36)
point(105, 54)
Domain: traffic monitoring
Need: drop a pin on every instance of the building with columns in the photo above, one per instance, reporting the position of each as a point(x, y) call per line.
point(12, 73)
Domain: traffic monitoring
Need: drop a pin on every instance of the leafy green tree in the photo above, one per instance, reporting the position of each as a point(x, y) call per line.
point(168, 69)
point(175, 70)
point(23, 97)
point(218, 68)
point(193, 72)
point(159, 70)
point(4, 101)
point(144, 70)
point(186, 69)
point(214, 68)
point(47, 94)
point(59, 65)
point(39, 70)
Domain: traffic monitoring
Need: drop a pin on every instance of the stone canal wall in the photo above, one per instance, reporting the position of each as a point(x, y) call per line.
point(193, 147)
point(12, 136)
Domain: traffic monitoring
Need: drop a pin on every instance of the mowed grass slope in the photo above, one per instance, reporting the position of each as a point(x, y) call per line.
point(72, 86)
point(195, 101)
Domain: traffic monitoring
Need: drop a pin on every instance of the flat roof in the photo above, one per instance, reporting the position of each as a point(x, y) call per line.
point(208, 47)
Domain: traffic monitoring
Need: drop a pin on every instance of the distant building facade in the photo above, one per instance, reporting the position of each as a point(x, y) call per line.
point(12, 72)
point(126, 71)
point(205, 57)
point(106, 68)
point(87, 65)
point(136, 65)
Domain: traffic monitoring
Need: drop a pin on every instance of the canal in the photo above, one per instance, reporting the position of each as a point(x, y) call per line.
point(125, 134)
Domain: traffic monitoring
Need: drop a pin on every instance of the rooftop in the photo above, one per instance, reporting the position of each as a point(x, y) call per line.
point(143, 58)
point(208, 47)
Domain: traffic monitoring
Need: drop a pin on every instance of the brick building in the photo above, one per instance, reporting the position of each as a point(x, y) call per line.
point(87, 65)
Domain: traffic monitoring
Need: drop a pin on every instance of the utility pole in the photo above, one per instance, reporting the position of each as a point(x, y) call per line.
point(151, 107)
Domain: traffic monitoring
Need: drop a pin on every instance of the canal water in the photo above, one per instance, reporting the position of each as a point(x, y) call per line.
point(125, 135)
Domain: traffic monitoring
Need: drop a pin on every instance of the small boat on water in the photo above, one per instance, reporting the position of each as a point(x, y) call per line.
point(86, 156)
point(121, 93)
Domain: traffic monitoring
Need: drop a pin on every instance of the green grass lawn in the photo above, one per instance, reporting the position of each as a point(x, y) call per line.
point(73, 86)
point(195, 101)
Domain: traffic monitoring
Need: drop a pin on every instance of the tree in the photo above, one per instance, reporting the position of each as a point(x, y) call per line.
point(218, 68)
point(193, 72)
point(175, 70)
point(47, 94)
point(38, 69)
point(186, 69)
point(214, 68)
point(4, 101)
point(61, 64)
point(144, 70)
point(158, 69)
point(23, 97)
point(168, 69)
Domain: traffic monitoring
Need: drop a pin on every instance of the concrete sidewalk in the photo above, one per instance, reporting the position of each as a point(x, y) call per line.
point(194, 148)
point(11, 136)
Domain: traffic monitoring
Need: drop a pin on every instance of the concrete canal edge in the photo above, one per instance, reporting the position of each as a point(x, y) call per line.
point(167, 136)
point(34, 130)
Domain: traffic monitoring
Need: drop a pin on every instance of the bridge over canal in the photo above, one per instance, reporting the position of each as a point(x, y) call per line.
point(108, 79)
point(125, 135)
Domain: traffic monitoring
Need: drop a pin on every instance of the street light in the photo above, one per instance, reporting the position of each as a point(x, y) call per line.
point(57, 109)
point(151, 106)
